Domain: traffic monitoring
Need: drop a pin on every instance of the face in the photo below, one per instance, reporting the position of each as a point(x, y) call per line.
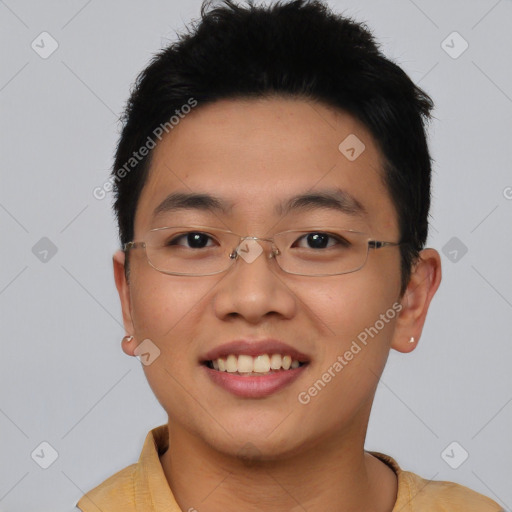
point(255, 155)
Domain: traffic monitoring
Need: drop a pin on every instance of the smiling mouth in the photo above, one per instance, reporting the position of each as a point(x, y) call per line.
point(248, 366)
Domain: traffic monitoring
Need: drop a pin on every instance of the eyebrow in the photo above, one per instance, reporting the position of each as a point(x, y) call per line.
point(331, 199)
point(191, 201)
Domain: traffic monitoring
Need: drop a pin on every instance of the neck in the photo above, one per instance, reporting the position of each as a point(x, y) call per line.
point(335, 475)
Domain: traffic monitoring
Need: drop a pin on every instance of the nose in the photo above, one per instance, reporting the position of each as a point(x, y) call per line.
point(254, 286)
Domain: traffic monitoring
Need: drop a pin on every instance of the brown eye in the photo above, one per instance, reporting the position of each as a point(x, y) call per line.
point(317, 240)
point(320, 240)
point(195, 240)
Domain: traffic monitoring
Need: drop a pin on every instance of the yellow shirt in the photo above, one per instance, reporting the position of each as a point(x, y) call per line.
point(142, 487)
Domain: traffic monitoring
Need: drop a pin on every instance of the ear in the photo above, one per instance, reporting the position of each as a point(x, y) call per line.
point(424, 282)
point(123, 289)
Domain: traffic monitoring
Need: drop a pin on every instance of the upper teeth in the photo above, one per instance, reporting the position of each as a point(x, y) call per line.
point(259, 364)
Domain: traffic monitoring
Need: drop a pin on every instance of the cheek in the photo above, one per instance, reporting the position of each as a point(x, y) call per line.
point(346, 305)
point(166, 310)
point(356, 320)
point(161, 303)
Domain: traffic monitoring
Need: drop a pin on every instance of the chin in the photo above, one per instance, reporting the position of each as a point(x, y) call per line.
point(256, 445)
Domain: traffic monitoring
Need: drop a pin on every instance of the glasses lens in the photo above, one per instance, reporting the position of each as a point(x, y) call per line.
point(325, 251)
point(190, 250)
point(206, 251)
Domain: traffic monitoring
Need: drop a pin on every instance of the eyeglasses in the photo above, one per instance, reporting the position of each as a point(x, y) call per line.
point(204, 251)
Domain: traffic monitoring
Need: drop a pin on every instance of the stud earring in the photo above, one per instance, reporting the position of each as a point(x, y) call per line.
point(128, 338)
point(412, 340)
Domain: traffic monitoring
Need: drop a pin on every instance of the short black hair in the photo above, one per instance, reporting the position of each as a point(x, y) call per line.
point(295, 48)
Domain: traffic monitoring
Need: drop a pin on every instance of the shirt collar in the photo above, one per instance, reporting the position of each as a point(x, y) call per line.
point(146, 482)
point(150, 484)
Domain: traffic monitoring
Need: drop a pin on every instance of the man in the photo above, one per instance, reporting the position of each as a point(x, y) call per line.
point(272, 191)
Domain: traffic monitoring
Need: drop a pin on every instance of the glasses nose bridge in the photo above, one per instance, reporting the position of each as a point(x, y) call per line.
point(273, 252)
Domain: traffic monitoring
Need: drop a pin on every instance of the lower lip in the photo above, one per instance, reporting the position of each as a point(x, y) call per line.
point(254, 386)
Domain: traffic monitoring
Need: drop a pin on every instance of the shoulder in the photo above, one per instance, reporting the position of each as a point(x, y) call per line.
point(446, 496)
point(135, 487)
point(421, 495)
point(113, 494)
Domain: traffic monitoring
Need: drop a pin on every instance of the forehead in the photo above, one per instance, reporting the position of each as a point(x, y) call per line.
point(255, 155)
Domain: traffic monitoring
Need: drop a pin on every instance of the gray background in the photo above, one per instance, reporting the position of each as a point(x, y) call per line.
point(64, 378)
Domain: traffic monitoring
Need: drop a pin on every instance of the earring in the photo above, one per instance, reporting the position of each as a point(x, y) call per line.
point(412, 340)
point(128, 338)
